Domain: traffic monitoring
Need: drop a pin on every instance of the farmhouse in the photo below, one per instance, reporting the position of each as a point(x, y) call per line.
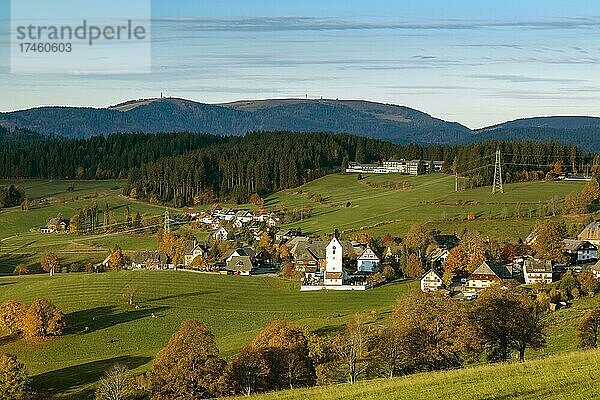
point(192, 250)
point(241, 261)
point(220, 234)
point(402, 166)
point(150, 260)
point(485, 276)
point(55, 225)
point(367, 261)
point(432, 281)
point(580, 251)
point(537, 271)
point(591, 233)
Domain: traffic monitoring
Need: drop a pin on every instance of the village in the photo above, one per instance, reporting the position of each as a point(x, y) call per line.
point(243, 243)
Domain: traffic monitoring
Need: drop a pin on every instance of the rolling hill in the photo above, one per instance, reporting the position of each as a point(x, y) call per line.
point(383, 121)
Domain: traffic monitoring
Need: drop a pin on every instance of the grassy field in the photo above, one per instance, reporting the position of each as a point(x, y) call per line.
point(234, 308)
point(572, 376)
point(21, 241)
point(424, 199)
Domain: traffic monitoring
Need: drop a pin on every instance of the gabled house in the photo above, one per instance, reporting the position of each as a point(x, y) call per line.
point(221, 234)
point(367, 261)
point(241, 261)
point(485, 276)
point(580, 251)
point(591, 233)
point(244, 216)
point(150, 260)
point(437, 257)
point(537, 271)
point(229, 215)
point(56, 225)
point(432, 281)
point(192, 250)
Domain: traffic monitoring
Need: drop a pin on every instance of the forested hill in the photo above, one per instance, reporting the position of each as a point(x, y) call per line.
point(587, 138)
point(556, 122)
point(382, 121)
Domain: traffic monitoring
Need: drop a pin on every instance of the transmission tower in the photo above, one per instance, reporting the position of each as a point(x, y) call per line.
point(498, 188)
point(167, 224)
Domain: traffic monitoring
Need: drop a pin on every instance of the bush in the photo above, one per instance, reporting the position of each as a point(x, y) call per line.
point(21, 269)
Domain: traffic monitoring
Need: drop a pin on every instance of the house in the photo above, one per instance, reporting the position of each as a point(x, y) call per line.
point(447, 242)
point(432, 281)
point(367, 261)
point(244, 216)
point(241, 261)
point(193, 249)
point(596, 270)
point(485, 276)
point(150, 259)
point(591, 233)
point(437, 257)
point(537, 271)
point(238, 223)
point(284, 235)
point(56, 225)
point(334, 273)
point(228, 215)
point(221, 234)
point(580, 251)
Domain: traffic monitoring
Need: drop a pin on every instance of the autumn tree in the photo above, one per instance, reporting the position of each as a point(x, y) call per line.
point(43, 319)
point(389, 356)
point(456, 262)
point(414, 266)
point(417, 239)
point(117, 260)
point(350, 348)
point(116, 384)
point(249, 372)
point(286, 350)
point(588, 282)
point(11, 315)
point(189, 367)
point(589, 329)
point(476, 247)
point(507, 321)
point(21, 269)
point(433, 331)
point(284, 252)
point(549, 244)
point(199, 263)
point(50, 262)
point(14, 378)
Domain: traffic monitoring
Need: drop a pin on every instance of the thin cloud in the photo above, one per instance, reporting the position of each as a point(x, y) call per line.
point(526, 79)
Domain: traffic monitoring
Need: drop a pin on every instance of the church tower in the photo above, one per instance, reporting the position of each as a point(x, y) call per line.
point(334, 273)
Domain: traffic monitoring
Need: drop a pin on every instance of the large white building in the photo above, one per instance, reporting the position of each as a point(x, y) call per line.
point(367, 261)
point(402, 166)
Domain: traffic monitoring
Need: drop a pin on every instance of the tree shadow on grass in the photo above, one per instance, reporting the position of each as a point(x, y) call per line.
point(70, 379)
point(182, 295)
point(95, 319)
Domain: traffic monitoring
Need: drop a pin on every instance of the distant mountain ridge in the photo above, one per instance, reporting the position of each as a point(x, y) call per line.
point(394, 123)
point(397, 124)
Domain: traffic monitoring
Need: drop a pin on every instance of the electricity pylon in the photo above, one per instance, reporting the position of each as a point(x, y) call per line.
point(497, 187)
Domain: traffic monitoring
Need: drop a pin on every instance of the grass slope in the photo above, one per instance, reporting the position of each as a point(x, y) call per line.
point(426, 199)
point(572, 376)
point(234, 308)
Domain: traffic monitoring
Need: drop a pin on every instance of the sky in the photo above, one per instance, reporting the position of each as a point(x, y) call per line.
point(475, 62)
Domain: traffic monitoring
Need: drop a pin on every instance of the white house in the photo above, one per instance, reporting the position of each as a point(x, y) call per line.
point(221, 234)
point(537, 271)
point(334, 273)
point(193, 249)
point(431, 281)
point(367, 261)
point(485, 276)
point(580, 251)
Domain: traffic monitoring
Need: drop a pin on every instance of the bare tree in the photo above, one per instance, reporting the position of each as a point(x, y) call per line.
point(129, 294)
point(351, 348)
point(116, 384)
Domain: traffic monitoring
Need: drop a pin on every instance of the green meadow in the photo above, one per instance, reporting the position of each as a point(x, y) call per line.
point(234, 308)
point(372, 205)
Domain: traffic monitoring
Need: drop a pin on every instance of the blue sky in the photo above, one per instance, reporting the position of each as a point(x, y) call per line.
point(475, 62)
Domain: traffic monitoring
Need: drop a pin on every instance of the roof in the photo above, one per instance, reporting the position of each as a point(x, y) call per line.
point(534, 266)
point(590, 232)
point(334, 275)
point(368, 254)
point(142, 257)
point(574, 245)
point(486, 271)
point(240, 263)
point(436, 254)
point(596, 267)
point(191, 245)
point(435, 271)
point(446, 241)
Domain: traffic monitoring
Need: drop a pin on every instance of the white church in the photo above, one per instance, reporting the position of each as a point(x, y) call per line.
point(333, 276)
